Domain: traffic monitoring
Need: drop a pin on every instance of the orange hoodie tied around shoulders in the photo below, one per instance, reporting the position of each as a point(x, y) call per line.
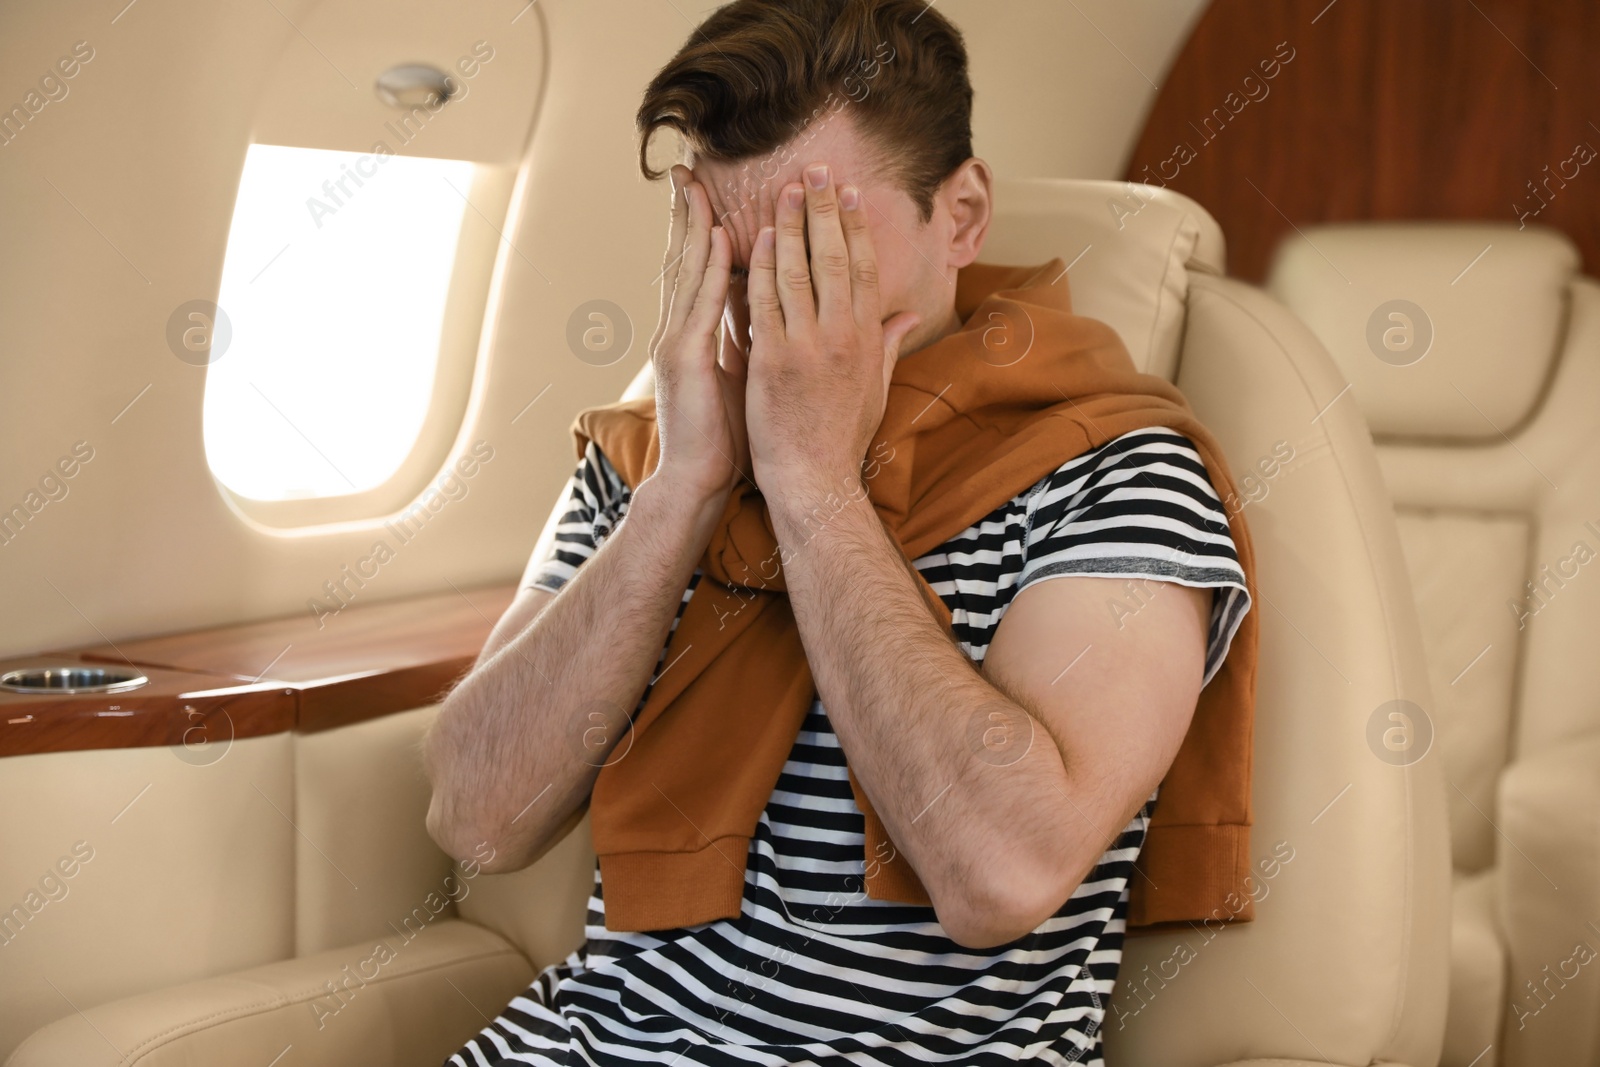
point(964, 430)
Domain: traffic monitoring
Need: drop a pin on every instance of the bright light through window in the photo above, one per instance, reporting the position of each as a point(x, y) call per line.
point(334, 284)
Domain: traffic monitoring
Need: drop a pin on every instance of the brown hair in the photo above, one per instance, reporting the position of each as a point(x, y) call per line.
point(757, 73)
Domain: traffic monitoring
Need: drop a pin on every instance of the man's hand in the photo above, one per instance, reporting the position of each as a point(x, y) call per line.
point(700, 399)
point(820, 358)
point(513, 754)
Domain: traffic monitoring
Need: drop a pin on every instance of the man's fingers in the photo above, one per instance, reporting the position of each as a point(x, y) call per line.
point(679, 176)
point(736, 324)
point(696, 251)
point(766, 206)
point(712, 296)
point(766, 308)
point(830, 258)
point(677, 223)
point(793, 268)
point(864, 298)
point(734, 358)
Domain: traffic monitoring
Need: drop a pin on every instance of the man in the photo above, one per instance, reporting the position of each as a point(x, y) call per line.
point(883, 784)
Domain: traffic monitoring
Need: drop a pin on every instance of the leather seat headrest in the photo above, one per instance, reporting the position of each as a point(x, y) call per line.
point(1444, 329)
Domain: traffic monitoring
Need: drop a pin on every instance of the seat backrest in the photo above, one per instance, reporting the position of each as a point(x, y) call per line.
point(1346, 959)
point(1474, 350)
point(1471, 349)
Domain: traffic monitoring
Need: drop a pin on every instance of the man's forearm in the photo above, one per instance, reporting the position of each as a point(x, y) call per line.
point(918, 722)
point(519, 742)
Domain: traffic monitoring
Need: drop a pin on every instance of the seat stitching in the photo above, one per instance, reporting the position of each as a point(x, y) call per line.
point(1364, 521)
point(148, 1045)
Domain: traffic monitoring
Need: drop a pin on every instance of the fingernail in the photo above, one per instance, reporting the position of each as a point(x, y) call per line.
point(765, 239)
point(849, 197)
point(796, 197)
point(817, 175)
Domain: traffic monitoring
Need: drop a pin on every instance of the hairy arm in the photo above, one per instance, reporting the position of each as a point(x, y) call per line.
point(519, 742)
point(1002, 787)
point(1001, 835)
point(517, 745)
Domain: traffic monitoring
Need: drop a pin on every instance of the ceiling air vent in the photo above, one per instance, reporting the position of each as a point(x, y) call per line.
point(414, 85)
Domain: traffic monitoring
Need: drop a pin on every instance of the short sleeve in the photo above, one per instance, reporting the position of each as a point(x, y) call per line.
point(596, 499)
point(1140, 507)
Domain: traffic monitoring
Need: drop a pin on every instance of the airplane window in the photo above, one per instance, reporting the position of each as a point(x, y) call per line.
point(325, 349)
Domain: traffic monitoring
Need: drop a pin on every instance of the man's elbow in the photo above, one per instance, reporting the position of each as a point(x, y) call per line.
point(445, 821)
point(438, 819)
point(467, 844)
point(446, 831)
point(1002, 908)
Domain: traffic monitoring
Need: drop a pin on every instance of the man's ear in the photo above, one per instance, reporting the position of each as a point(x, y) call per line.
point(968, 195)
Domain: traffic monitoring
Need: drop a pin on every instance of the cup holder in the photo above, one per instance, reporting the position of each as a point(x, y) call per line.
point(71, 679)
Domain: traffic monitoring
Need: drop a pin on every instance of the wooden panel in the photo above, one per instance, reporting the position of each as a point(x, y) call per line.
point(303, 672)
point(365, 661)
point(201, 712)
point(339, 702)
point(1430, 109)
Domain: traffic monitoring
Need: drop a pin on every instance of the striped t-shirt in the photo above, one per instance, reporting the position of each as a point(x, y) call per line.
point(813, 971)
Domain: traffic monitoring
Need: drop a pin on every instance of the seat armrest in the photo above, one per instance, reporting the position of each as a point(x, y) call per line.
point(394, 1001)
point(1549, 895)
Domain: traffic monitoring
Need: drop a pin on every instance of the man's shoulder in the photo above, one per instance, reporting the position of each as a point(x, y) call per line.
point(1153, 468)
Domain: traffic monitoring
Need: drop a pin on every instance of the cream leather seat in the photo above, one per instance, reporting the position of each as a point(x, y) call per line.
point(1346, 961)
point(1482, 396)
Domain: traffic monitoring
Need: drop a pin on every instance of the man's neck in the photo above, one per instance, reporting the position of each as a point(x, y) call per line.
point(950, 326)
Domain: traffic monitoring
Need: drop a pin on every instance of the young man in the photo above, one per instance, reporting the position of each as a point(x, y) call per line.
point(883, 783)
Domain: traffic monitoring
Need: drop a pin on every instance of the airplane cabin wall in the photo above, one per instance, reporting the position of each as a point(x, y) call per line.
point(116, 202)
point(1277, 117)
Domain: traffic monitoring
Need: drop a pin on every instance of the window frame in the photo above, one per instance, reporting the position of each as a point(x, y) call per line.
point(479, 252)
